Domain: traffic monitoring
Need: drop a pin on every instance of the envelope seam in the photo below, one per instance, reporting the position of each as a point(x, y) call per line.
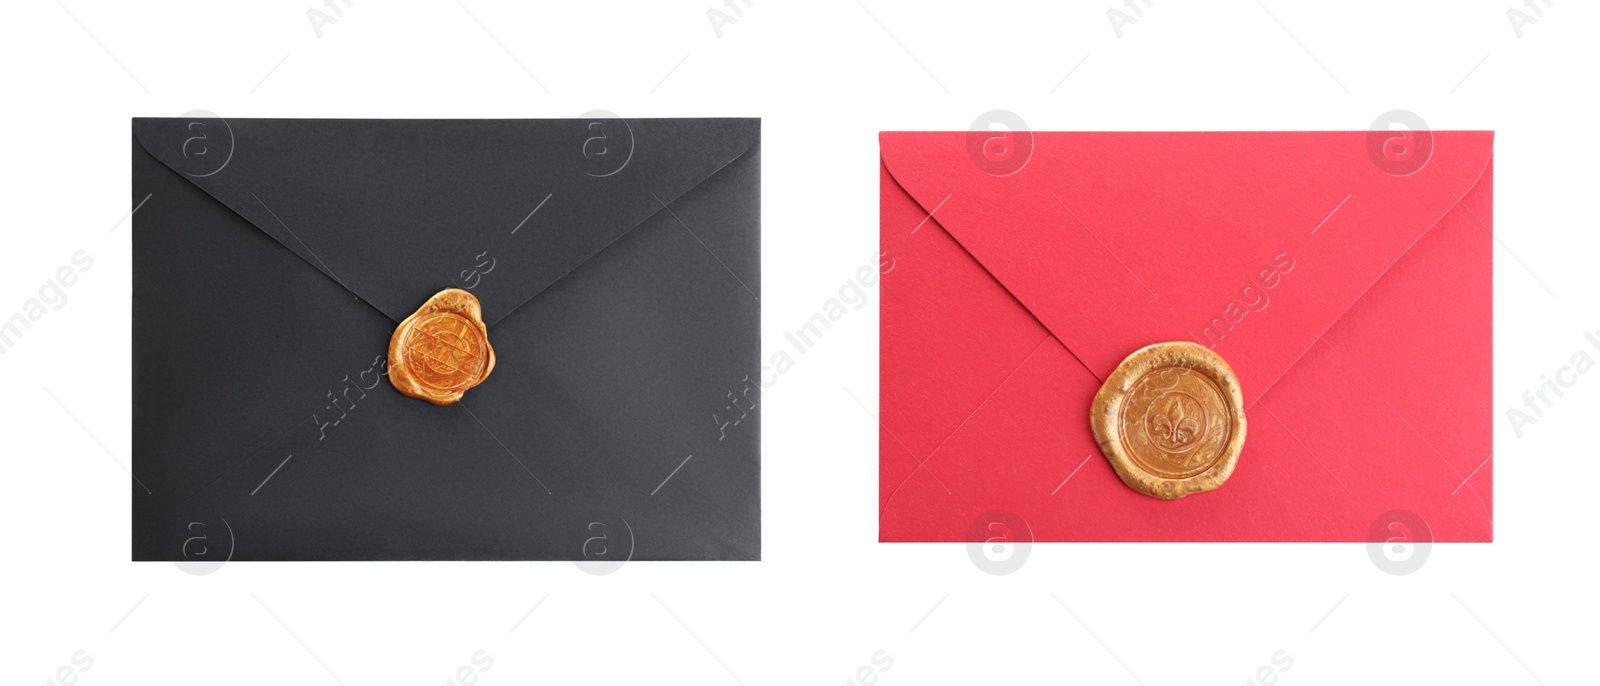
point(328, 271)
point(940, 224)
point(630, 230)
point(323, 269)
point(1386, 270)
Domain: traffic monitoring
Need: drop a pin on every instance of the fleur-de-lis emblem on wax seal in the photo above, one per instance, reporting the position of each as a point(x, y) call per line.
point(1175, 425)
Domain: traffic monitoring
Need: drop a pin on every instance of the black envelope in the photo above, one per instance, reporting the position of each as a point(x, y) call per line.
point(618, 263)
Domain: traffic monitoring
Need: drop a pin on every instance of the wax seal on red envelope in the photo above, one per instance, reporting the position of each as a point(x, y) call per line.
point(1170, 420)
point(442, 350)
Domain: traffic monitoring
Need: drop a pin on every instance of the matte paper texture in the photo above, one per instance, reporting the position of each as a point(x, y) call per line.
point(618, 263)
point(1354, 303)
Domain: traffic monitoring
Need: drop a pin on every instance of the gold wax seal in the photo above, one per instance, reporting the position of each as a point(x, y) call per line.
point(442, 350)
point(1170, 420)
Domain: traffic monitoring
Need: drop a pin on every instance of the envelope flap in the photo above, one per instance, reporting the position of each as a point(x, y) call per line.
point(1252, 243)
point(396, 210)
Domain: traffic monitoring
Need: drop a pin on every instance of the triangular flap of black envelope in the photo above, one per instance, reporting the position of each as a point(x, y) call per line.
point(397, 210)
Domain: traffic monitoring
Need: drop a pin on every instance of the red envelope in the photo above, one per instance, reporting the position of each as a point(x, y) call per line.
point(1349, 290)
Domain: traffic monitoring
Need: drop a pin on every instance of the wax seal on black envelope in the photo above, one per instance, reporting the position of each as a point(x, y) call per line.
point(1170, 420)
point(442, 350)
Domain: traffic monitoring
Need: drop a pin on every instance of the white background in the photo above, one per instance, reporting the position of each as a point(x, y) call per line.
point(826, 77)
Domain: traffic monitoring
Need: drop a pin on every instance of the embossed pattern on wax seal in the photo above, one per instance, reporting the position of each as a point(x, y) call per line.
point(442, 349)
point(1170, 420)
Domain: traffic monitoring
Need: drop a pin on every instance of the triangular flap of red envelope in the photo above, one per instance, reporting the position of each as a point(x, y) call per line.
point(1251, 242)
